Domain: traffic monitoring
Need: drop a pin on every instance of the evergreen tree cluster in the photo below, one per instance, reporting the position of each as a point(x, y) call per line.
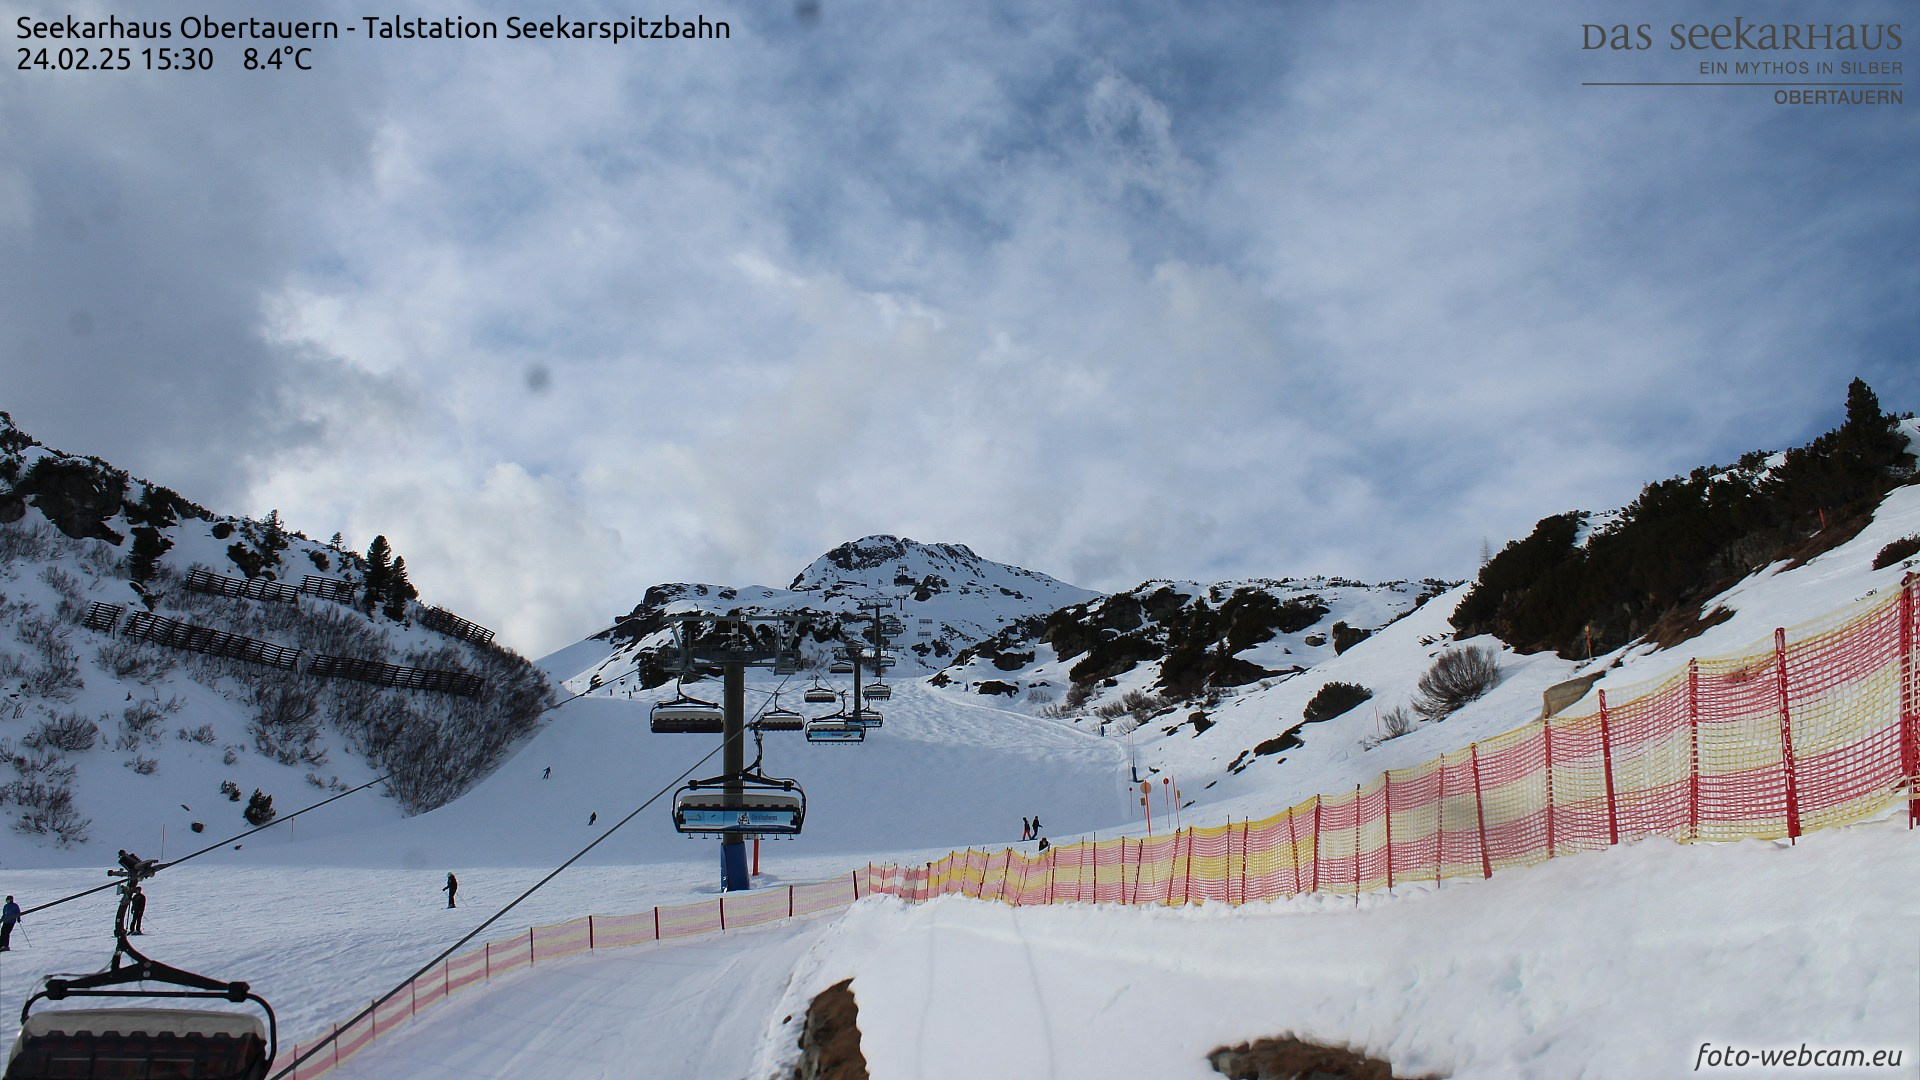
point(385, 587)
point(1686, 539)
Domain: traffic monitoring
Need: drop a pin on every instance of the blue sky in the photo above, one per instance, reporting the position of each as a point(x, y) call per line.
point(1111, 291)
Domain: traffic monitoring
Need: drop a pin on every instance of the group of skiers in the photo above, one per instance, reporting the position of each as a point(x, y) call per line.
point(1030, 830)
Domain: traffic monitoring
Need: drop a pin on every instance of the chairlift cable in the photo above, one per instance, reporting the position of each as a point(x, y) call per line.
point(495, 917)
point(210, 847)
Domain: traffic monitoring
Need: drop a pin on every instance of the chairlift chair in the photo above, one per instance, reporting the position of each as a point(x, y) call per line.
point(892, 627)
point(757, 805)
point(819, 695)
point(835, 729)
point(686, 715)
point(781, 719)
point(840, 667)
point(110, 1043)
point(878, 691)
point(868, 718)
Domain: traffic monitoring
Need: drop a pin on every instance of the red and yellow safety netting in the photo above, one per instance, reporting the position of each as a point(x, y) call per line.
point(1814, 729)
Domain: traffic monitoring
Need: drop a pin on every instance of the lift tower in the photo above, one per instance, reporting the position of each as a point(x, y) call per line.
point(734, 643)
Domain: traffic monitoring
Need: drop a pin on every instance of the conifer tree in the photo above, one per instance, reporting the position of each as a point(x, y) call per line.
point(399, 591)
point(379, 573)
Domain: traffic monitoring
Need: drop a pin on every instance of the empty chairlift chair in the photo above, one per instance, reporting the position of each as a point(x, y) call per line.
point(867, 718)
point(840, 667)
point(686, 715)
point(759, 806)
point(878, 691)
point(819, 695)
point(777, 718)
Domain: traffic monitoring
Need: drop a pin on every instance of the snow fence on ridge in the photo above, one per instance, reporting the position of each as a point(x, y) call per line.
point(1789, 737)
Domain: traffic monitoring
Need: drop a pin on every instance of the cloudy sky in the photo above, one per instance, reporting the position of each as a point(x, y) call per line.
point(1109, 290)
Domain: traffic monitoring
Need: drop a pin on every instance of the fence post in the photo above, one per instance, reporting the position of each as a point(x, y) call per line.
point(1356, 845)
point(789, 901)
point(336, 1046)
point(488, 949)
point(1316, 845)
point(590, 945)
point(1052, 853)
point(1546, 733)
point(656, 922)
point(1480, 811)
point(1293, 848)
point(1693, 736)
point(1909, 723)
point(1386, 781)
point(413, 998)
point(723, 913)
point(529, 946)
point(1606, 759)
point(1786, 732)
point(1246, 827)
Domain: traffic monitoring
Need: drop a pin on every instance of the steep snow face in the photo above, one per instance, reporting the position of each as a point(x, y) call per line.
point(945, 596)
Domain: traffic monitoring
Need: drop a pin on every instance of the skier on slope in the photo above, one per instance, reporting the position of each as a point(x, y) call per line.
point(9, 915)
point(451, 887)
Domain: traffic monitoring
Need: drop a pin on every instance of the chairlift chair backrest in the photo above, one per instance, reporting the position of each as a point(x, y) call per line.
point(687, 715)
point(867, 717)
point(779, 719)
point(840, 667)
point(878, 691)
point(76, 1044)
point(819, 695)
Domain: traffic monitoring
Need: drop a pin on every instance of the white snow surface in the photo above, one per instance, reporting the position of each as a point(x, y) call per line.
point(1619, 963)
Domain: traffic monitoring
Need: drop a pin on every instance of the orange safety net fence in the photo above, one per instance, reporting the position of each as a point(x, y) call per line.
point(1791, 736)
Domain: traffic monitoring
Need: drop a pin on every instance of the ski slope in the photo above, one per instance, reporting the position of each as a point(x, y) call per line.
point(1619, 963)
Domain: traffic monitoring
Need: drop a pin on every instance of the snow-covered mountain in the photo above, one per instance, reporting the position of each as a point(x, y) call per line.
point(114, 735)
point(944, 596)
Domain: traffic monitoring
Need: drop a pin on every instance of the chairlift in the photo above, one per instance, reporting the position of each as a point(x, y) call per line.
point(892, 627)
point(743, 804)
point(781, 719)
point(99, 1044)
point(867, 718)
point(785, 663)
point(878, 691)
point(835, 729)
point(840, 667)
point(819, 695)
point(686, 715)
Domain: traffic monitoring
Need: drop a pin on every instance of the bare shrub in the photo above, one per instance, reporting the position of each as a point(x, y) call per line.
point(1334, 699)
point(24, 541)
point(140, 725)
point(1395, 722)
point(1897, 551)
point(46, 808)
point(1077, 695)
point(203, 735)
point(286, 719)
point(1040, 695)
point(1457, 677)
point(72, 598)
point(53, 667)
point(145, 766)
point(63, 731)
point(135, 661)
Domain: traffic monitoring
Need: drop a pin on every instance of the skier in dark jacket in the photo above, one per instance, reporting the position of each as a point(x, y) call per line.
point(139, 909)
point(9, 915)
point(452, 886)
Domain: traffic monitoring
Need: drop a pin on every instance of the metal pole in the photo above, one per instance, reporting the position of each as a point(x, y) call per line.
point(733, 848)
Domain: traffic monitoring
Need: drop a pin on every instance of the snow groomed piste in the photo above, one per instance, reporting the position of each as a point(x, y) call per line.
point(1819, 730)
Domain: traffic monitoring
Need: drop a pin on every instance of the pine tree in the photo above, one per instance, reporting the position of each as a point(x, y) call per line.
point(379, 573)
point(259, 809)
point(399, 591)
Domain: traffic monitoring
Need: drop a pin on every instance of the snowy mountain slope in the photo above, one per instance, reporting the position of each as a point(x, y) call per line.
point(946, 597)
point(108, 742)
